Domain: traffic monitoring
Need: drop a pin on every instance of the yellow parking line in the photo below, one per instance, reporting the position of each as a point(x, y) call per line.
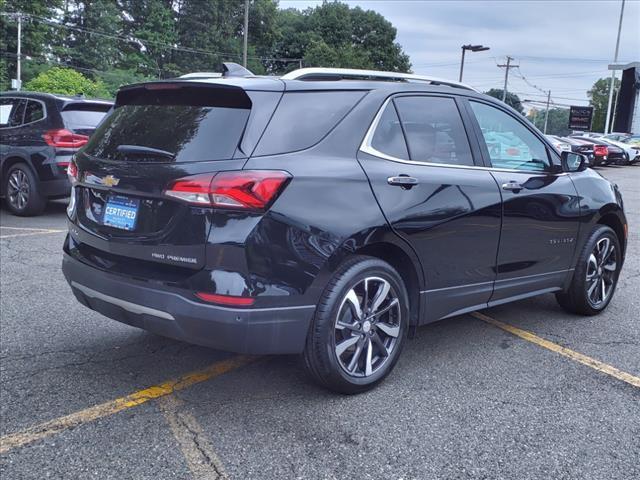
point(46, 429)
point(554, 347)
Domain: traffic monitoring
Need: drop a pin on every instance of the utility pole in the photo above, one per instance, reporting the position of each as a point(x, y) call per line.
point(246, 33)
point(506, 76)
point(19, 54)
point(613, 72)
point(546, 115)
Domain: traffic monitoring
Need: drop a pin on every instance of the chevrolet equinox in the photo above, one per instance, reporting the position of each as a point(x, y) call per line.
point(329, 212)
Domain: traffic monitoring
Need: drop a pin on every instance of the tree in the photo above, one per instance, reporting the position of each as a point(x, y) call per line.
point(557, 123)
point(512, 99)
point(66, 81)
point(598, 99)
point(336, 35)
point(38, 38)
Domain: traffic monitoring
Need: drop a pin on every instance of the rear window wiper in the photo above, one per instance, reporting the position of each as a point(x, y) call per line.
point(141, 150)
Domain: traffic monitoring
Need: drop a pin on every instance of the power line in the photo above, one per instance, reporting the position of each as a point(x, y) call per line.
point(133, 39)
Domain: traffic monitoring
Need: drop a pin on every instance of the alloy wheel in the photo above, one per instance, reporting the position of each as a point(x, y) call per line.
point(367, 327)
point(18, 189)
point(601, 272)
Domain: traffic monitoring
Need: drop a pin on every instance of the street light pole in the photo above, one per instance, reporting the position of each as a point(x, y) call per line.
point(613, 72)
point(473, 48)
point(462, 63)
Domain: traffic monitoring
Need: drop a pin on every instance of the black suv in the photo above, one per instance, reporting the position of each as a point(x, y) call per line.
point(39, 133)
point(329, 212)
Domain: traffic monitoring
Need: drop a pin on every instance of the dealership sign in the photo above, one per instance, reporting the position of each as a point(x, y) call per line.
point(580, 118)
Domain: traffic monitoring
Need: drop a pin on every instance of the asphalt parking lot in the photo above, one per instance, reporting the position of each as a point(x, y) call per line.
point(86, 397)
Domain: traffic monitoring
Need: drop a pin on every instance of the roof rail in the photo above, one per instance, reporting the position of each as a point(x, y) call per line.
point(355, 74)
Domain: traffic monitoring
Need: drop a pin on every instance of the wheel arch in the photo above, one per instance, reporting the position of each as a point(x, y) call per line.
point(612, 220)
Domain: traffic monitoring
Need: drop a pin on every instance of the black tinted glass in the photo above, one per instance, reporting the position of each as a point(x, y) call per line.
point(34, 111)
point(304, 118)
point(388, 137)
point(190, 124)
point(434, 130)
point(11, 112)
point(78, 116)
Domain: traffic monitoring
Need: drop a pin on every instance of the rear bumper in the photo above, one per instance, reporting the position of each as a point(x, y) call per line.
point(164, 312)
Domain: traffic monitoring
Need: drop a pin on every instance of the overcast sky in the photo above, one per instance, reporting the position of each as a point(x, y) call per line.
point(561, 45)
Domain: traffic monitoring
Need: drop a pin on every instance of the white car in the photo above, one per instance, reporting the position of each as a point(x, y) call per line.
point(632, 151)
point(558, 143)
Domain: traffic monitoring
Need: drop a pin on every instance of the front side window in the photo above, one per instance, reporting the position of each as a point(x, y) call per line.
point(511, 145)
point(434, 130)
point(388, 137)
point(34, 111)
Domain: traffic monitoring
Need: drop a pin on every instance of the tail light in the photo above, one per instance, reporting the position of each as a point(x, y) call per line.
point(62, 138)
point(242, 189)
point(601, 150)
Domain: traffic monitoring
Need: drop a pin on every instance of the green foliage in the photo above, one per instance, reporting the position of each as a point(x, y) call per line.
point(67, 82)
point(512, 99)
point(557, 123)
point(598, 99)
point(116, 42)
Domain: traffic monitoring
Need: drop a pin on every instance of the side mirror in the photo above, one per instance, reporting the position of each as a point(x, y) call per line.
point(573, 162)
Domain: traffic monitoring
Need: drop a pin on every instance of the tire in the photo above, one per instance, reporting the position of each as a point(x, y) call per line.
point(376, 340)
point(585, 293)
point(22, 191)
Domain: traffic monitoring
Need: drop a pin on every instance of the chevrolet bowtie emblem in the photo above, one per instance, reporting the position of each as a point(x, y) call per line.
point(110, 181)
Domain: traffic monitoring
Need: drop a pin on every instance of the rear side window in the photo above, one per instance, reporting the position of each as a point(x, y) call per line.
point(34, 111)
point(160, 123)
point(434, 130)
point(304, 118)
point(11, 112)
point(388, 137)
point(78, 116)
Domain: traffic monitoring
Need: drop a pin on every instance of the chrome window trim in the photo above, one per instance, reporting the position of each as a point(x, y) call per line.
point(366, 147)
point(44, 110)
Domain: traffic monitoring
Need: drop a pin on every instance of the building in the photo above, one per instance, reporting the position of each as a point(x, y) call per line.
point(627, 112)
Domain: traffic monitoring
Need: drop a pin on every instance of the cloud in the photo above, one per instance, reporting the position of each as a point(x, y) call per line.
point(563, 46)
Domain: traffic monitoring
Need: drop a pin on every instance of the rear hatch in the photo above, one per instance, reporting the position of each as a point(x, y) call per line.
point(157, 134)
point(83, 117)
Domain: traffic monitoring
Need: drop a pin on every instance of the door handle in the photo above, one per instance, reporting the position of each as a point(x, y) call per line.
point(513, 186)
point(404, 181)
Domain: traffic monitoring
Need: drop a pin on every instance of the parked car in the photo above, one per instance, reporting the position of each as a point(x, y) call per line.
point(596, 157)
point(327, 213)
point(632, 152)
point(39, 134)
point(559, 143)
point(614, 155)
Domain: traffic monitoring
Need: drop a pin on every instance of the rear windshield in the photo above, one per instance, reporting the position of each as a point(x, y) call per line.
point(83, 115)
point(160, 123)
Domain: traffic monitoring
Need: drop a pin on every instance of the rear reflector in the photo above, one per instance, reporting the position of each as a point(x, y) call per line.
point(62, 138)
point(225, 299)
point(242, 189)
